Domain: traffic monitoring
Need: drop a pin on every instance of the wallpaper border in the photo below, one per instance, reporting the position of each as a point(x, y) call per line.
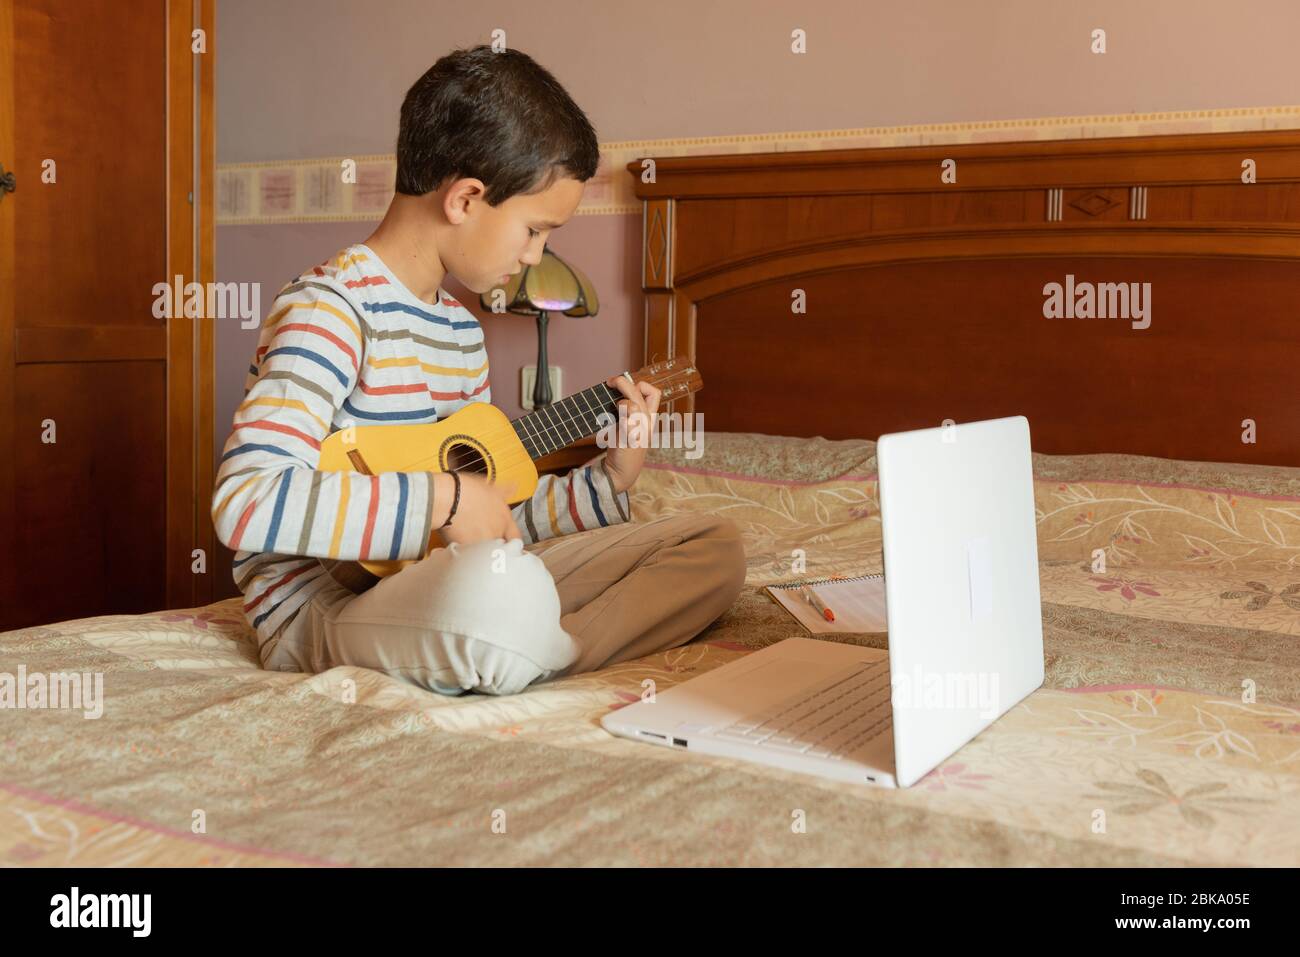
point(313, 190)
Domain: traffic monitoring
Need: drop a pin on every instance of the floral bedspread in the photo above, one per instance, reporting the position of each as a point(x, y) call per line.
point(1167, 730)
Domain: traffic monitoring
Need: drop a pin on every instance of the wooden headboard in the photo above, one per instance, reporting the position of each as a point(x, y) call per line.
point(923, 300)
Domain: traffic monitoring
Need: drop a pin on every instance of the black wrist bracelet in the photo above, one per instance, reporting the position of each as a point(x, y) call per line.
point(454, 502)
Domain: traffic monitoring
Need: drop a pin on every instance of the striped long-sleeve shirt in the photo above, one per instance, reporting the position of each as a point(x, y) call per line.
point(346, 343)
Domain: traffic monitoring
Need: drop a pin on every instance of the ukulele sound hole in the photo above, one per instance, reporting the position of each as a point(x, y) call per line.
point(463, 457)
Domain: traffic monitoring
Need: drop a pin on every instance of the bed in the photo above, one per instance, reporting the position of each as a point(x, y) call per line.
point(1167, 731)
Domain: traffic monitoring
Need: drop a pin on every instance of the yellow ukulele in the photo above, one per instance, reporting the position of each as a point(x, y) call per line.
point(479, 438)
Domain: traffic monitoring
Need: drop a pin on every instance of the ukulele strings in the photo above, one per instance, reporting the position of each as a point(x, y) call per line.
point(495, 432)
point(492, 434)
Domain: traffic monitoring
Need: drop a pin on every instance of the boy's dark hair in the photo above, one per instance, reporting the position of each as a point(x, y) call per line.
point(499, 117)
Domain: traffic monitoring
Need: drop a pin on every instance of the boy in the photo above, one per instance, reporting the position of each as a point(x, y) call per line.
point(491, 156)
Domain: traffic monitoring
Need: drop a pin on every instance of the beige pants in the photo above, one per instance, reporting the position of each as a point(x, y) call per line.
point(494, 619)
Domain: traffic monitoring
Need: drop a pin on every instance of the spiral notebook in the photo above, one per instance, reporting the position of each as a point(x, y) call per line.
point(858, 603)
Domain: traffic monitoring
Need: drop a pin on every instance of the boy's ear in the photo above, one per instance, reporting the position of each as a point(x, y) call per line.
point(460, 196)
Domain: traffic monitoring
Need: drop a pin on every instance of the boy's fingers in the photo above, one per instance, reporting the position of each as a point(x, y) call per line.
point(636, 398)
point(651, 397)
point(634, 392)
point(649, 405)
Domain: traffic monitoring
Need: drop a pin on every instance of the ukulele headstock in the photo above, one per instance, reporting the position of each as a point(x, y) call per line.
point(674, 378)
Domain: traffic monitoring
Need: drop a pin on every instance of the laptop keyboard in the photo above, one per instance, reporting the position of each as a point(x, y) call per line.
point(833, 718)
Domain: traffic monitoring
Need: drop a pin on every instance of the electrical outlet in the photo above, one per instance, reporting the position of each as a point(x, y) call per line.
point(528, 376)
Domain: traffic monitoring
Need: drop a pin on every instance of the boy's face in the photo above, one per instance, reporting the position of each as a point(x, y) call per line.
point(492, 243)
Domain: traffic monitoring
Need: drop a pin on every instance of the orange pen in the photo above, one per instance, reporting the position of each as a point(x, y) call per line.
point(816, 602)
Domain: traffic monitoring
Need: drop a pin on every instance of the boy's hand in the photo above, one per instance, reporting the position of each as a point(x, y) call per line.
point(640, 405)
point(483, 512)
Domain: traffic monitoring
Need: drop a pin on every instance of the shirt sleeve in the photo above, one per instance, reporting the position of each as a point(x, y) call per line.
point(269, 495)
point(564, 504)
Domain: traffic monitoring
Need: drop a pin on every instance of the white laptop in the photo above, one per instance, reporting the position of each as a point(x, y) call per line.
point(965, 630)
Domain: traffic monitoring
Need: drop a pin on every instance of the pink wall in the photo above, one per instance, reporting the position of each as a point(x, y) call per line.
point(300, 78)
point(313, 78)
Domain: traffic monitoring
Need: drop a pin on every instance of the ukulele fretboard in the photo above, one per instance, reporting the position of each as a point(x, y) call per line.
point(567, 420)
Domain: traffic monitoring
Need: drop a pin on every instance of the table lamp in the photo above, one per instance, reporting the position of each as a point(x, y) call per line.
point(553, 285)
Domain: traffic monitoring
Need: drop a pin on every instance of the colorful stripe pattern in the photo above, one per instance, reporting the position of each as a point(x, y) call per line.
point(346, 343)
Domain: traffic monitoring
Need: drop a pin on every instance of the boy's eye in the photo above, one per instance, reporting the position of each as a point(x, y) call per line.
point(533, 232)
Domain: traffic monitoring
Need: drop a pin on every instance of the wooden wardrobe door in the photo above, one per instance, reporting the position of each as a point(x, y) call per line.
point(98, 498)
